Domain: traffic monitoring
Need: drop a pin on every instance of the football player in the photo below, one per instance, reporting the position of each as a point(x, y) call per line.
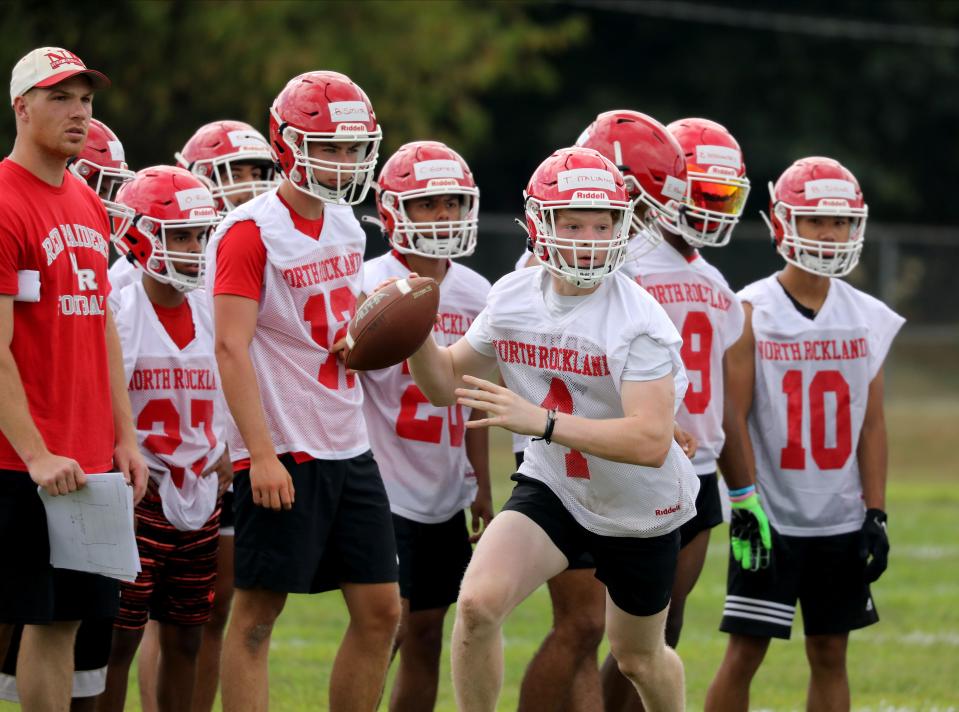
point(234, 157)
point(705, 202)
point(234, 160)
point(311, 511)
point(805, 382)
point(592, 371)
point(432, 466)
point(564, 669)
point(167, 337)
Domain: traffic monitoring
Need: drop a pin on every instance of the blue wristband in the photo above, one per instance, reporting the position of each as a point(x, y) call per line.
point(742, 492)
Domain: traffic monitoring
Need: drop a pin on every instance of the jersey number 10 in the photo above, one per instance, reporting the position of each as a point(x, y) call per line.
point(793, 456)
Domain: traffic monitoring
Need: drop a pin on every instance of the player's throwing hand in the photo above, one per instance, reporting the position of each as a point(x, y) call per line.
point(503, 407)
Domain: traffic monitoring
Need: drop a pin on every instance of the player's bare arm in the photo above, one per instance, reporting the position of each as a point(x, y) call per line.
point(872, 450)
point(57, 475)
point(126, 454)
point(271, 484)
point(477, 452)
point(736, 459)
point(642, 437)
point(439, 371)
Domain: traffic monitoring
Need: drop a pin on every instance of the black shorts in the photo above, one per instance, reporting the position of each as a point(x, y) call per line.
point(583, 560)
point(709, 510)
point(340, 529)
point(826, 576)
point(226, 513)
point(32, 591)
point(178, 578)
point(91, 652)
point(433, 559)
point(638, 573)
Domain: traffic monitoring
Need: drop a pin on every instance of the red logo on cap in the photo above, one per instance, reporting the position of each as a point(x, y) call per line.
point(58, 59)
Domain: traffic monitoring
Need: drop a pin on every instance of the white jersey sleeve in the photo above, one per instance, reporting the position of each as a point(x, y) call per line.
point(575, 363)
point(709, 316)
point(121, 274)
point(811, 390)
point(420, 448)
point(177, 406)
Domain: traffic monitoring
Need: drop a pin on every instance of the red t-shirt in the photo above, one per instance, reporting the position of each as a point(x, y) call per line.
point(240, 262)
point(241, 255)
point(55, 241)
point(178, 322)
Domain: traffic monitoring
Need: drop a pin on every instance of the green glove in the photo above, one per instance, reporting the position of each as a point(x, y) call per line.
point(749, 533)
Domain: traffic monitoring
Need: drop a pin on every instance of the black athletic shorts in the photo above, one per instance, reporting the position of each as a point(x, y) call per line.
point(32, 591)
point(584, 560)
point(91, 653)
point(709, 510)
point(340, 529)
point(826, 576)
point(638, 573)
point(226, 513)
point(433, 559)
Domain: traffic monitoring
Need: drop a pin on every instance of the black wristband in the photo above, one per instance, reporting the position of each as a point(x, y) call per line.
point(550, 424)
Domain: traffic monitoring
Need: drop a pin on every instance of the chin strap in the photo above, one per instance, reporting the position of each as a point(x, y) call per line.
point(529, 238)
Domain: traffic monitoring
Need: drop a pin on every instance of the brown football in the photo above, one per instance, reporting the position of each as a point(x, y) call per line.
point(392, 323)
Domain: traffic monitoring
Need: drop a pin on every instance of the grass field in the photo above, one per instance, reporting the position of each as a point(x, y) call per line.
point(910, 661)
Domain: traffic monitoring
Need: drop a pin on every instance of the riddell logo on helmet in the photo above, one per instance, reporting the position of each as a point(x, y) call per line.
point(63, 56)
point(593, 195)
point(442, 183)
point(580, 178)
point(833, 203)
point(351, 129)
point(354, 111)
point(830, 188)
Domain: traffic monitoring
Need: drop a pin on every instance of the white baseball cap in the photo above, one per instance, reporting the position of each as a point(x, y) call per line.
point(47, 66)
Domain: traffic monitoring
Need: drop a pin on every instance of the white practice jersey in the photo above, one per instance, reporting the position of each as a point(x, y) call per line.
point(811, 388)
point(120, 274)
point(521, 441)
point(709, 317)
point(575, 363)
point(177, 404)
point(309, 296)
point(420, 448)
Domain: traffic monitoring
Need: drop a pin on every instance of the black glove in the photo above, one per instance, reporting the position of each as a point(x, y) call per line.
point(874, 544)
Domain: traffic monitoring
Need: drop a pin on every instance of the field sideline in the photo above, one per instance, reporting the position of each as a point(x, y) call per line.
point(909, 662)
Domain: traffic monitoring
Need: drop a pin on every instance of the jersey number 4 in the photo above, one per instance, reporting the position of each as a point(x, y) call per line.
point(561, 399)
point(793, 456)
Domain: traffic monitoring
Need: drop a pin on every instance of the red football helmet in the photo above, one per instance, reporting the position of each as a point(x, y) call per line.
point(213, 151)
point(102, 165)
point(166, 198)
point(570, 179)
point(820, 187)
point(652, 163)
point(717, 186)
point(328, 109)
point(417, 170)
